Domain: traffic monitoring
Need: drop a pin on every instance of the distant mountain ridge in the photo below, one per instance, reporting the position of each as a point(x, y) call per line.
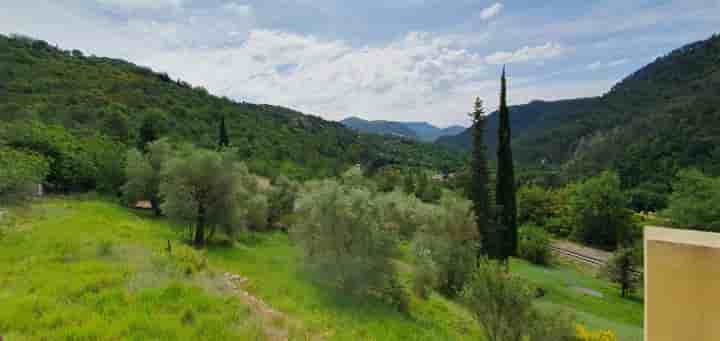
point(421, 131)
point(661, 118)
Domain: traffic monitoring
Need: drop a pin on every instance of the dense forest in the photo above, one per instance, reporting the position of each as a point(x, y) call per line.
point(662, 118)
point(87, 97)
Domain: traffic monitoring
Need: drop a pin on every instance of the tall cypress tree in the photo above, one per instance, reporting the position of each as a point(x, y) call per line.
point(505, 190)
point(479, 184)
point(223, 140)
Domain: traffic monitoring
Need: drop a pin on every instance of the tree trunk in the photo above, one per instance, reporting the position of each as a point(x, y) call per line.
point(200, 228)
point(155, 203)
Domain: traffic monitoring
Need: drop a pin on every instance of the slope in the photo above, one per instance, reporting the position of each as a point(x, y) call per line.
point(661, 118)
point(87, 94)
point(421, 131)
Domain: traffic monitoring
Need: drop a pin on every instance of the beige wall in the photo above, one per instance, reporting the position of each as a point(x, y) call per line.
point(682, 285)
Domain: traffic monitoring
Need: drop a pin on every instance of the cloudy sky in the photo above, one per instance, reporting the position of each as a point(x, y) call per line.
point(377, 59)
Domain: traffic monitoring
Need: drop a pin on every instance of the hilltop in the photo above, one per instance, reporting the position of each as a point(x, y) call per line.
point(89, 94)
point(661, 118)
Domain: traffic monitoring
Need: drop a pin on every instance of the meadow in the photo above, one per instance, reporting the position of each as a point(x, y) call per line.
point(84, 268)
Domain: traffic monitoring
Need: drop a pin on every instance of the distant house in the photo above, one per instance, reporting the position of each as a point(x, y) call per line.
point(143, 205)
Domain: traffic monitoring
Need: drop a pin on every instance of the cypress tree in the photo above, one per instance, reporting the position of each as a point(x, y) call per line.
point(505, 190)
point(478, 190)
point(223, 141)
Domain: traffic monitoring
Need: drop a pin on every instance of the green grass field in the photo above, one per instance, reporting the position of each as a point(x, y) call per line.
point(87, 269)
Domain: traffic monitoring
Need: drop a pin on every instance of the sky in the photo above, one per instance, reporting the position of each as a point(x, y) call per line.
point(403, 60)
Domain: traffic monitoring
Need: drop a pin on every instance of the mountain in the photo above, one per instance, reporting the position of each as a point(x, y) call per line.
point(661, 118)
point(88, 95)
point(388, 128)
point(422, 131)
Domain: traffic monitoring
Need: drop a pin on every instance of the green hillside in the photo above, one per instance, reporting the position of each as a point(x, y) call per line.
point(88, 94)
point(664, 117)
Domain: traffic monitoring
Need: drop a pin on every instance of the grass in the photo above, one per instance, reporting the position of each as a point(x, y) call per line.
point(563, 287)
point(86, 269)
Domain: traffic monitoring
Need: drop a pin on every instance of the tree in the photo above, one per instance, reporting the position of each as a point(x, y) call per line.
point(505, 195)
point(621, 270)
point(20, 173)
point(694, 201)
point(343, 238)
point(143, 174)
point(281, 198)
point(201, 187)
point(478, 191)
point(152, 126)
point(535, 205)
point(223, 139)
point(502, 303)
point(408, 182)
point(599, 212)
point(447, 245)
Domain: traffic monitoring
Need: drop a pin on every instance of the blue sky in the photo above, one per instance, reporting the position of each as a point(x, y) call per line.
point(377, 59)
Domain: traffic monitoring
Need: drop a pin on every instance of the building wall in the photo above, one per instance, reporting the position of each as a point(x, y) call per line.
point(682, 285)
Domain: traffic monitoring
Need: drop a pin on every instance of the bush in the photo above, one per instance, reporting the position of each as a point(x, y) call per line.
point(583, 334)
point(448, 245)
point(694, 201)
point(534, 245)
point(503, 305)
point(343, 238)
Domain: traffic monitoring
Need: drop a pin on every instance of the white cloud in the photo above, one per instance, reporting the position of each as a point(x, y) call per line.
point(527, 54)
point(420, 76)
point(142, 4)
point(491, 11)
point(603, 65)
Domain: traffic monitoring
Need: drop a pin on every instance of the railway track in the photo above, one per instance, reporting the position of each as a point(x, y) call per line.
point(583, 258)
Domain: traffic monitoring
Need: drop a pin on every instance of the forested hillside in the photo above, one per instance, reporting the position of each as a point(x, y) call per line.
point(88, 95)
point(422, 131)
point(664, 117)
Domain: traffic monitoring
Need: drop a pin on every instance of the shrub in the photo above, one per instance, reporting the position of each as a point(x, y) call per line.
point(343, 239)
point(448, 243)
point(503, 305)
point(583, 334)
point(104, 248)
point(189, 260)
point(534, 245)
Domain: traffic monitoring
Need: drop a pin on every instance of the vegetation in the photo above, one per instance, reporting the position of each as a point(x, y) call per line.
point(478, 191)
point(503, 305)
point(694, 201)
point(658, 120)
point(621, 270)
point(446, 247)
point(598, 210)
point(505, 192)
point(534, 245)
point(344, 240)
point(132, 105)
point(143, 173)
point(20, 173)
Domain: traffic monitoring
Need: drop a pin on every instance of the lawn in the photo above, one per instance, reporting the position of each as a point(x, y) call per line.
point(84, 269)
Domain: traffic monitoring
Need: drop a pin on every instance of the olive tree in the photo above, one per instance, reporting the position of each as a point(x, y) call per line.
point(202, 187)
point(447, 245)
point(143, 173)
point(343, 238)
